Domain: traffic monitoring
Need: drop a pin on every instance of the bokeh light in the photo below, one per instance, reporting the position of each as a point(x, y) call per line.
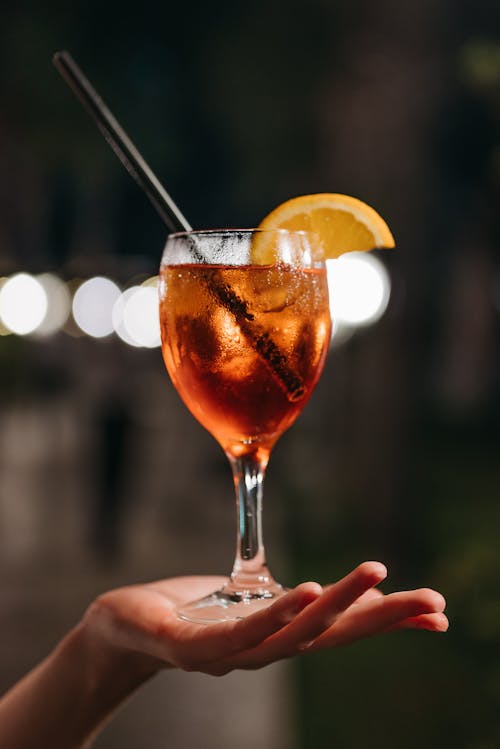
point(59, 304)
point(359, 290)
point(117, 316)
point(23, 303)
point(135, 315)
point(140, 317)
point(93, 306)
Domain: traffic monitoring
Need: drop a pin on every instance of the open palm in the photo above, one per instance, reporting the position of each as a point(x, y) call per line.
point(142, 620)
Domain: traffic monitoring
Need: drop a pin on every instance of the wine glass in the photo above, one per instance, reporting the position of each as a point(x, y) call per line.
point(245, 329)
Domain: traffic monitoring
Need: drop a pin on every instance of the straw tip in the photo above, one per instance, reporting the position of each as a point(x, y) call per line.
point(60, 55)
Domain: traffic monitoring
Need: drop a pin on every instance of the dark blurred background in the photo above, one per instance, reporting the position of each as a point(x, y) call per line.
point(106, 479)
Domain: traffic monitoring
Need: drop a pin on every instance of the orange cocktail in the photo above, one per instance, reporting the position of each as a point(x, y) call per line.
point(244, 341)
point(213, 356)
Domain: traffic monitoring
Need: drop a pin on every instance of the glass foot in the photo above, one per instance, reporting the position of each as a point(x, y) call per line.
point(229, 604)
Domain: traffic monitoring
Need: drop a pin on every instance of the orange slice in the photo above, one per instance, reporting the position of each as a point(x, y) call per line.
point(341, 223)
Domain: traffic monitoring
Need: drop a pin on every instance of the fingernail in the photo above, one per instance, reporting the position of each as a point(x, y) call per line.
point(443, 624)
point(377, 569)
point(380, 569)
point(439, 623)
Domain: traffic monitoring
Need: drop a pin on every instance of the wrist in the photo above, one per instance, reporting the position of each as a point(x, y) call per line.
point(100, 676)
point(110, 670)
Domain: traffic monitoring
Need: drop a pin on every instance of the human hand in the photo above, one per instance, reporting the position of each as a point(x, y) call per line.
point(141, 621)
point(130, 633)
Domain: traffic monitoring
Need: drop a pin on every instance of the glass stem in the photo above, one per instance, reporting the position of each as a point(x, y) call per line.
point(250, 572)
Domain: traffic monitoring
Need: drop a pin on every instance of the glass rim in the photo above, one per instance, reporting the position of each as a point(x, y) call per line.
point(225, 232)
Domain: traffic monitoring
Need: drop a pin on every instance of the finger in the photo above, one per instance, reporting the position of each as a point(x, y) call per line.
point(205, 644)
point(431, 622)
point(334, 601)
point(249, 632)
point(371, 595)
point(380, 615)
point(316, 618)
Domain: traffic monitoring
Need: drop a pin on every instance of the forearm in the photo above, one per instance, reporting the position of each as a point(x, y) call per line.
point(64, 701)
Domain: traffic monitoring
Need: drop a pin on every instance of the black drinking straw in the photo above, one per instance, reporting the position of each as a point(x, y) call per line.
point(120, 142)
point(174, 219)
